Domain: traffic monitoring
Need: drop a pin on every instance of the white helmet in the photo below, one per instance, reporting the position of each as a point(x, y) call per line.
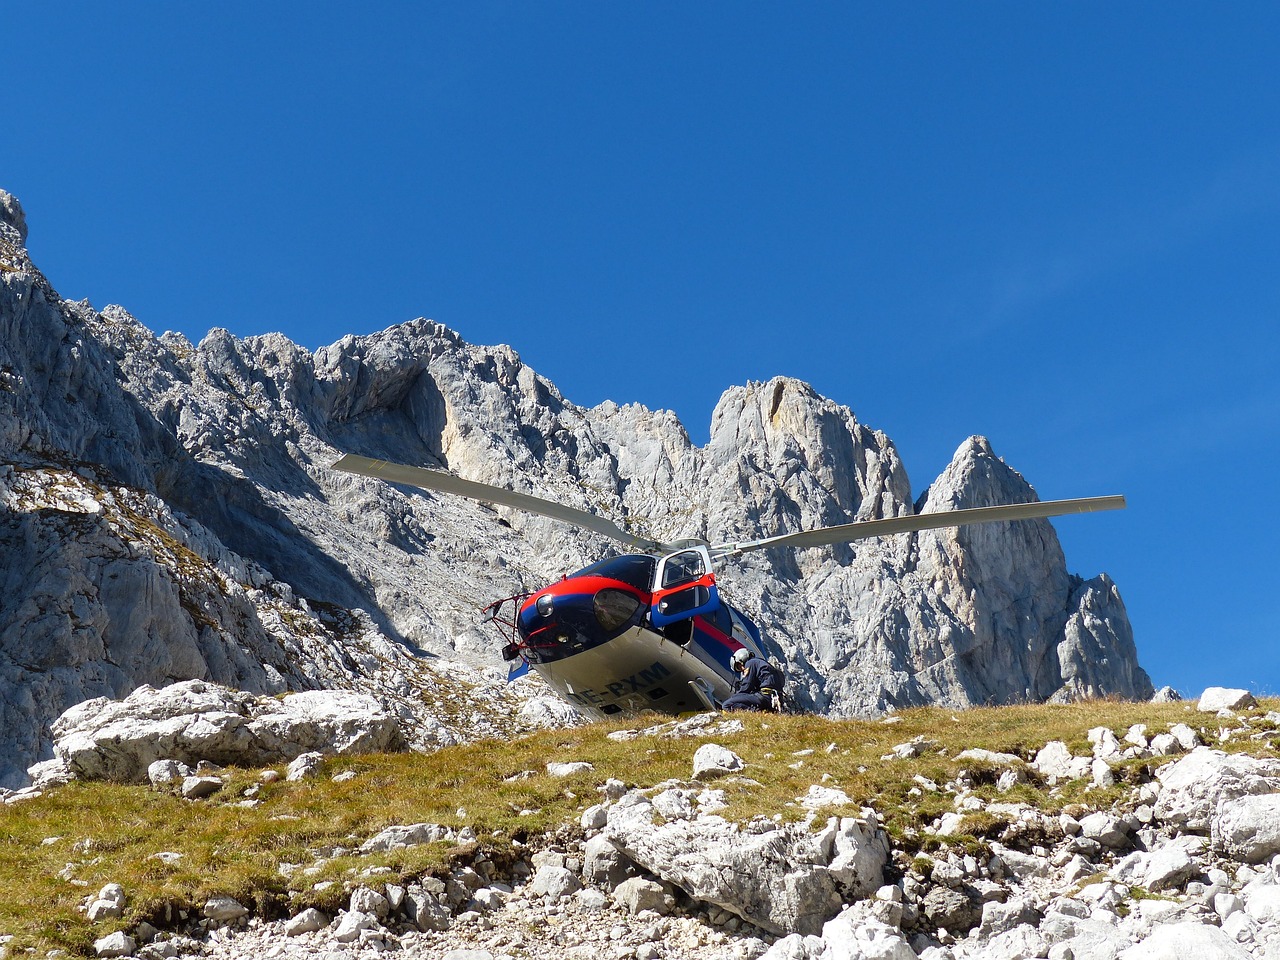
point(740, 657)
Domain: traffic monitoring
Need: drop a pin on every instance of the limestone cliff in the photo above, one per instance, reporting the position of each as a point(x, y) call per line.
point(168, 513)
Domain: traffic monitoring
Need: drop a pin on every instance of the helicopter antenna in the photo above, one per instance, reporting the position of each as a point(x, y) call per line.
point(866, 529)
point(447, 483)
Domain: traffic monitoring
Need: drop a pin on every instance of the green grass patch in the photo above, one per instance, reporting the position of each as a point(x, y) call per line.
point(271, 856)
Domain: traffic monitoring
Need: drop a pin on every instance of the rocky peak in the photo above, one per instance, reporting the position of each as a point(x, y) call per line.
point(12, 215)
point(228, 542)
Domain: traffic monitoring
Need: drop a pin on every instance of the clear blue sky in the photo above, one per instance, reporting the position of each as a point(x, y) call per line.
point(1052, 224)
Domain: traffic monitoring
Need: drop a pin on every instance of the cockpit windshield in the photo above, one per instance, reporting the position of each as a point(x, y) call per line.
point(634, 570)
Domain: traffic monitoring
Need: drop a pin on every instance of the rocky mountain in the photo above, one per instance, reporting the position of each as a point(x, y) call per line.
point(167, 512)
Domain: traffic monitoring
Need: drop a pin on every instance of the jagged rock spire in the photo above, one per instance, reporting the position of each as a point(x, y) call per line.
point(248, 561)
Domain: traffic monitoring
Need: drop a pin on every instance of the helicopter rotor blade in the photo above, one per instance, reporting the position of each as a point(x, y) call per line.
point(866, 529)
point(448, 483)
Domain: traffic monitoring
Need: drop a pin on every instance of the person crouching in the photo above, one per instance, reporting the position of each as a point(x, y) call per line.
point(757, 685)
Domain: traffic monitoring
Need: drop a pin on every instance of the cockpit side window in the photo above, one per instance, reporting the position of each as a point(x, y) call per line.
point(682, 568)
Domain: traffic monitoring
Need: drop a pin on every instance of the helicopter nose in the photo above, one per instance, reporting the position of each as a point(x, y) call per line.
point(586, 616)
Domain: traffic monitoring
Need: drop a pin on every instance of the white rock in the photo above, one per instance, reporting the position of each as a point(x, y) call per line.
point(118, 944)
point(305, 766)
point(1055, 763)
point(553, 882)
point(308, 921)
point(1248, 828)
point(594, 817)
point(223, 909)
point(591, 900)
point(989, 756)
point(1170, 865)
point(854, 936)
point(1106, 829)
point(1184, 941)
point(164, 772)
point(779, 877)
point(1262, 902)
point(1191, 788)
point(568, 769)
point(197, 788)
point(1238, 927)
point(369, 901)
point(1020, 943)
point(400, 837)
point(638, 893)
point(1225, 904)
point(1102, 775)
point(795, 946)
point(1105, 744)
point(819, 797)
point(1187, 738)
point(675, 804)
point(350, 924)
point(1225, 698)
point(712, 760)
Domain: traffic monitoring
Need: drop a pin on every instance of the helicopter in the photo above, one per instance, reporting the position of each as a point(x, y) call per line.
point(649, 629)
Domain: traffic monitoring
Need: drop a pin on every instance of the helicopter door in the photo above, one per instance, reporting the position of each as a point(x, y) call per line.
point(684, 586)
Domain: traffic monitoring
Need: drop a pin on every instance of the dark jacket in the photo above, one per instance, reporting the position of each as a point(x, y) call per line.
point(758, 675)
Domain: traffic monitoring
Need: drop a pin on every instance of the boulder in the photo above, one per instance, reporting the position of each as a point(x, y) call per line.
point(1192, 788)
point(370, 901)
point(956, 909)
point(568, 769)
point(1054, 762)
point(352, 924)
point(305, 766)
point(1166, 867)
point(712, 760)
point(640, 893)
point(1181, 941)
point(197, 788)
point(1225, 698)
point(400, 837)
point(118, 944)
point(1107, 830)
point(223, 909)
point(195, 720)
point(852, 935)
point(605, 864)
point(779, 877)
point(553, 882)
point(308, 921)
point(1247, 828)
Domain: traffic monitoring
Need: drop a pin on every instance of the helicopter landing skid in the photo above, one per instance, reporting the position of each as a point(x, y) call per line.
point(704, 692)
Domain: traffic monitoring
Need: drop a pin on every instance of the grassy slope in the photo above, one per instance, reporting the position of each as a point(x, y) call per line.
point(108, 833)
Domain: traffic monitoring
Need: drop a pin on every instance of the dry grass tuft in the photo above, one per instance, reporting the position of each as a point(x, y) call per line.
point(57, 851)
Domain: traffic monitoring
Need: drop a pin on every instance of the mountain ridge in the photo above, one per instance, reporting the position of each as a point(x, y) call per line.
point(225, 445)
